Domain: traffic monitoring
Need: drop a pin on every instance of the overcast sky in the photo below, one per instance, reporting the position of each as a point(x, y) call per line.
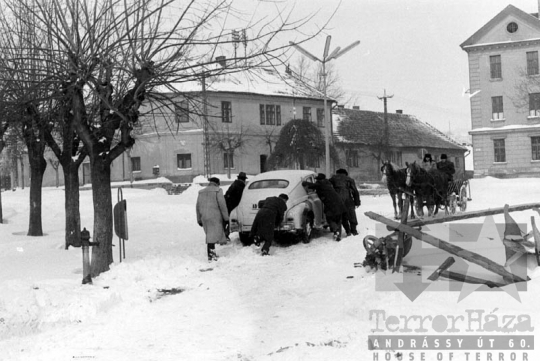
point(411, 49)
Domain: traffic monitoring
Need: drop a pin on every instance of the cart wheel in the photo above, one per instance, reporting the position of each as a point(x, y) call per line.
point(463, 198)
point(369, 243)
point(452, 203)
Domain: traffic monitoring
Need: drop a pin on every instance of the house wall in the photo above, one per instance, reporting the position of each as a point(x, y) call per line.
point(516, 110)
point(370, 170)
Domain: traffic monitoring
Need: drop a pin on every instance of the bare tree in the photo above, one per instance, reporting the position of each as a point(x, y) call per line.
point(227, 140)
point(112, 56)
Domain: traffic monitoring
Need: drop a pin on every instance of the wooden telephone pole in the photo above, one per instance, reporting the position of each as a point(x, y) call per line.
point(386, 126)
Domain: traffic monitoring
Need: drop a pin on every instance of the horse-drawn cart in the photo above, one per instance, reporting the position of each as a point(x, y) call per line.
point(459, 193)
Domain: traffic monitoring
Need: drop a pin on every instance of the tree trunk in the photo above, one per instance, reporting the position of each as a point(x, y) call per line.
point(73, 215)
point(38, 164)
point(103, 218)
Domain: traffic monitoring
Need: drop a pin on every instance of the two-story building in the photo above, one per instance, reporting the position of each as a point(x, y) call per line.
point(231, 122)
point(504, 81)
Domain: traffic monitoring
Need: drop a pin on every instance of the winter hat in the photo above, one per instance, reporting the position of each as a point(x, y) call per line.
point(427, 157)
point(284, 196)
point(342, 171)
point(443, 156)
point(320, 176)
point(242, 175)
point(214, 180)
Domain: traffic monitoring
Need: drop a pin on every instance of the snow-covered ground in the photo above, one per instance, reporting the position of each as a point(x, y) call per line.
point(304, 302)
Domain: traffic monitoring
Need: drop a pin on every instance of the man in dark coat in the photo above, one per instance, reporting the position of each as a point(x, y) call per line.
point(267, 219)
point(234, 193)
point(346, 188)
point(333, 205)
point(233, 197)
point(446, 167)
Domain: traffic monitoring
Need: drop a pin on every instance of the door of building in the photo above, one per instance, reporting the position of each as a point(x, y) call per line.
point(86, 173)
point(263, 157)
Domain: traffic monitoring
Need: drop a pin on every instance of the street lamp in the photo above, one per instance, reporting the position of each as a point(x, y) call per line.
point(326, 57)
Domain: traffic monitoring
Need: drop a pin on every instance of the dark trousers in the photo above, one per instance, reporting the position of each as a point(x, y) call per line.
point(348, 223)
point(210, 249)
point(335, 223)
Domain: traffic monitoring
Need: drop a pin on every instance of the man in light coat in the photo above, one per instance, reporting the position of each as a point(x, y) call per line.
point(211, 213)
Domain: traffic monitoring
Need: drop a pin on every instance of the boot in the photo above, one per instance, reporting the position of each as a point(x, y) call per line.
point(353, 230)
point(212, 256)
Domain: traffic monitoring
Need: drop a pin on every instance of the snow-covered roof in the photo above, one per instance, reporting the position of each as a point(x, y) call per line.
point(367, 127)
point(253, 81)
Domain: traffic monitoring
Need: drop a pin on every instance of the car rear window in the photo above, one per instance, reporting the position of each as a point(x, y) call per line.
point(269, 183)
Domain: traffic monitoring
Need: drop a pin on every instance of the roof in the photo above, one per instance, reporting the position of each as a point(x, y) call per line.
point(261, 81)
point(510, 10)
point(367, 127)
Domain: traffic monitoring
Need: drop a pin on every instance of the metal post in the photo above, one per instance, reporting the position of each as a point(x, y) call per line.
point(206, 141)
point(85, 241)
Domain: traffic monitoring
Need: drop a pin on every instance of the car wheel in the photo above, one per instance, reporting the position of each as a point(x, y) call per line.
point(245, 239)
point(307, 230)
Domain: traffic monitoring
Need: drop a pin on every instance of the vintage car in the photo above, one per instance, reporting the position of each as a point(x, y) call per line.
point(304, 208)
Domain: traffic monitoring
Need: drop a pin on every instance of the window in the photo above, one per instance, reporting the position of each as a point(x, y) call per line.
point(320, 117)
point(500, 151)
point(534, 104)
point(495, 66)
point(183, 161)
point(262, 114)
point(456, 163)
point(269, 183)
point(512, 27)
point(226, 112)
point(181, 112)
point(352, 158)
point(535, 145)
point(306, 113)
point(135, 164)
point(226, 159)
point(270, 114)
point(497, 107)
point(532, 63)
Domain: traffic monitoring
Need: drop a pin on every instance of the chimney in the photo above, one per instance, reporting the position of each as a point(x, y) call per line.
point(400, 111)
point(357, 107)
point(222, 60)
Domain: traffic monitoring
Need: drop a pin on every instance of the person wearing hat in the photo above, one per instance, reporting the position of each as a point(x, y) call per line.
point(234, 193)
point(428, 163)
point(333, 205)
point(269, 216)
point(446, 167)
point(233, 197)
point(212, 212)
point(346, 188)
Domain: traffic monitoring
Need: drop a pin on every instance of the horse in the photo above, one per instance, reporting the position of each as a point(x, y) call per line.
point(430, 186)
point(395, 182)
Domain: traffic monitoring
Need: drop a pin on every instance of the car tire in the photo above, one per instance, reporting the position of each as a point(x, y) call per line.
point(245, 239)
point(307, 228)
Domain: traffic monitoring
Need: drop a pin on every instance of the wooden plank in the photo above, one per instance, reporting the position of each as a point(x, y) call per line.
point(448, 247)
point(400, 244)
point(443, 267)
point(469, 279)
point(473, 214)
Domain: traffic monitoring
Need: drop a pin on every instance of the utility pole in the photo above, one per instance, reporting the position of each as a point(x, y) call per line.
point(386, 126)
point(327, 56)
point(206, 139)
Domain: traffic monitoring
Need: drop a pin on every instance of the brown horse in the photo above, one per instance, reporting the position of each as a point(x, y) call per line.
point(395, 181)
point(429, 186)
